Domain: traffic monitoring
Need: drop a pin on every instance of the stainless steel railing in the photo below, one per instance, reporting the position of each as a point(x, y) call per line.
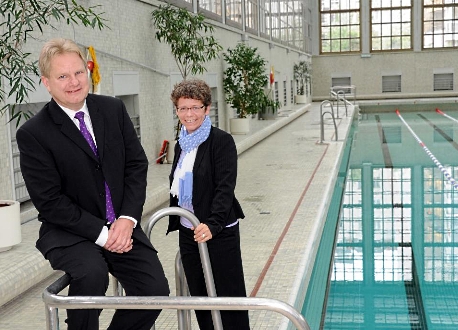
point(322, 113)
point(340, 96)
point(182, 304)
point(53, 301)
point(348, 90)
point(204, 258)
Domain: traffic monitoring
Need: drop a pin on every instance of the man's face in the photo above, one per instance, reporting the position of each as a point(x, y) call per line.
point(68, 82)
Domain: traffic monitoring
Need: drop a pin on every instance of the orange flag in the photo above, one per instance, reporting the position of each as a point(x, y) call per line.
point(95, 71)
point(272, 75)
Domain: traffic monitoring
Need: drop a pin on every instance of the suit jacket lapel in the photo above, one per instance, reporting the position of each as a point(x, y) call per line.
point(201, 150)
point(69, 129)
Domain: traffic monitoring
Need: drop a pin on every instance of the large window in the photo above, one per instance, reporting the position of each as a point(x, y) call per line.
point(440, 23)
point(340, 26)
point(391, 24)
point(213, 6)
point(234, 11)
point(275, 20)
point(279, 20)
point(251, 14)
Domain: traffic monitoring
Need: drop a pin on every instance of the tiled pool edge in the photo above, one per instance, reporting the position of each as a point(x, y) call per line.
point(305, 268)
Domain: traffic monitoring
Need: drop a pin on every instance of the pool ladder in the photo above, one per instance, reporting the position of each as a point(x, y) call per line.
point(339, 96)
point(322, 113)
point(183, 304)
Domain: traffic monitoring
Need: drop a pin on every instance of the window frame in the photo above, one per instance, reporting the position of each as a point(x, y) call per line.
point(454, 22)
point(338, 12)
point(401, 36)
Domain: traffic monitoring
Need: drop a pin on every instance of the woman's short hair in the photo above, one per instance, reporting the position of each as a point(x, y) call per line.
point(192, 89)
point(57, 46)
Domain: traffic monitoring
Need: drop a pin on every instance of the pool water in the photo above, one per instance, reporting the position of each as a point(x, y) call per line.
point(393, 251)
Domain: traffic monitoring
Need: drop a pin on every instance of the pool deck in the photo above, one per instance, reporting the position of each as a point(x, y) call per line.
point(285, 180)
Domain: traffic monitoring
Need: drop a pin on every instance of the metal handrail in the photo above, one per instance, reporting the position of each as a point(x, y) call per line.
point(346, 102)
point(322, 121)
point(184, 316)
point(181, 303)
point(203, 251)
point(340, 96)
point(343, 88)
point(52, 301)
point(334, 94)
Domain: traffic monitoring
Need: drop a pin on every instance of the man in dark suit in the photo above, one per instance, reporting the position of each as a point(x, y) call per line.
point(86, 175)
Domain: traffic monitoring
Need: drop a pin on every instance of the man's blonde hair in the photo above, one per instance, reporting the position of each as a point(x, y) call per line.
point(57, 46)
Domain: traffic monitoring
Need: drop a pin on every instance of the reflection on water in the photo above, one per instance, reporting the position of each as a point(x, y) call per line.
point(395, 263)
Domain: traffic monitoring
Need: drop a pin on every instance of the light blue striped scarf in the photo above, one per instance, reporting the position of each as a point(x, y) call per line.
point(189, 144)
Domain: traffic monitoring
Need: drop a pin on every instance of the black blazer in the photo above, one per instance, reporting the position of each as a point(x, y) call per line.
point(214, 180)
point(65, 179)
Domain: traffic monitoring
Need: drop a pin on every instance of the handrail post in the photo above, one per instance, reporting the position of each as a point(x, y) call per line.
point(52, 317)
point(322, 121)
point(203, 251)
point(342, 96)
point(184, 316)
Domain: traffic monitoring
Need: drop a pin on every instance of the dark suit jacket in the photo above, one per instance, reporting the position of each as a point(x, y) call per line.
point(214, 179)
point(65, 179)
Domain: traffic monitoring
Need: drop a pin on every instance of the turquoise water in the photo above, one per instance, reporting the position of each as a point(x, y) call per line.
point(391, 235)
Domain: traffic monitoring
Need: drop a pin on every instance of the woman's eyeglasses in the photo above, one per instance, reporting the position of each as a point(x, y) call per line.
point(194, 109)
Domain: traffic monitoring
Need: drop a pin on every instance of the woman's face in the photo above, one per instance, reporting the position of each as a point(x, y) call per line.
point(191, 113)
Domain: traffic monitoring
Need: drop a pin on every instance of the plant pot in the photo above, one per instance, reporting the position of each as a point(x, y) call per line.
point(240, 125)
point(268, 113)
point(302, 99)
point(170, 151)
point(10, 224)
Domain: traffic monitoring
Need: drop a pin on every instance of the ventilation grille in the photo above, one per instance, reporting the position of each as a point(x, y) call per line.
point(443, 81)
point(391, 84)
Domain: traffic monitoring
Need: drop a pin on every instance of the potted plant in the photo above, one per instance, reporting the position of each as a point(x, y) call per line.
point(190, 47)
point(243, 82)
point(302, 71)
point(10, 224)
point(269, 107)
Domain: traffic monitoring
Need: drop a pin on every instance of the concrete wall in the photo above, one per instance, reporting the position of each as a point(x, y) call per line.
point(416, 69)
point(129, 45)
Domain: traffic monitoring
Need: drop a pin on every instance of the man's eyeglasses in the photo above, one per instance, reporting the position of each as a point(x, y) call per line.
point(194, 109)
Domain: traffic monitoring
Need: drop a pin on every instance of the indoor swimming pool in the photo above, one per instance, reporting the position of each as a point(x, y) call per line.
point(388, 256)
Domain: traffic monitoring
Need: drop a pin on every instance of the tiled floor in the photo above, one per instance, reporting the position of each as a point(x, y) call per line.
point(283, 185)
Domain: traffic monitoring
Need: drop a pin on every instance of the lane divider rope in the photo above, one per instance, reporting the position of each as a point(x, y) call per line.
point(445, 115)
point(429, 153)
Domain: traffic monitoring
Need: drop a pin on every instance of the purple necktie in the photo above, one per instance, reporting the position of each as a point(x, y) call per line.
point(83, 128)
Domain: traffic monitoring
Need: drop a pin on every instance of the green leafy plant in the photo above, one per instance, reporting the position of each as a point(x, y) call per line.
point(244, 79)
point(189, 38)
point(19, 19)
point(302, 73)
point(184, 32)
point(269, 106)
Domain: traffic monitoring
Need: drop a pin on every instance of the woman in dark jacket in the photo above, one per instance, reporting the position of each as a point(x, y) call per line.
point(202, 180)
